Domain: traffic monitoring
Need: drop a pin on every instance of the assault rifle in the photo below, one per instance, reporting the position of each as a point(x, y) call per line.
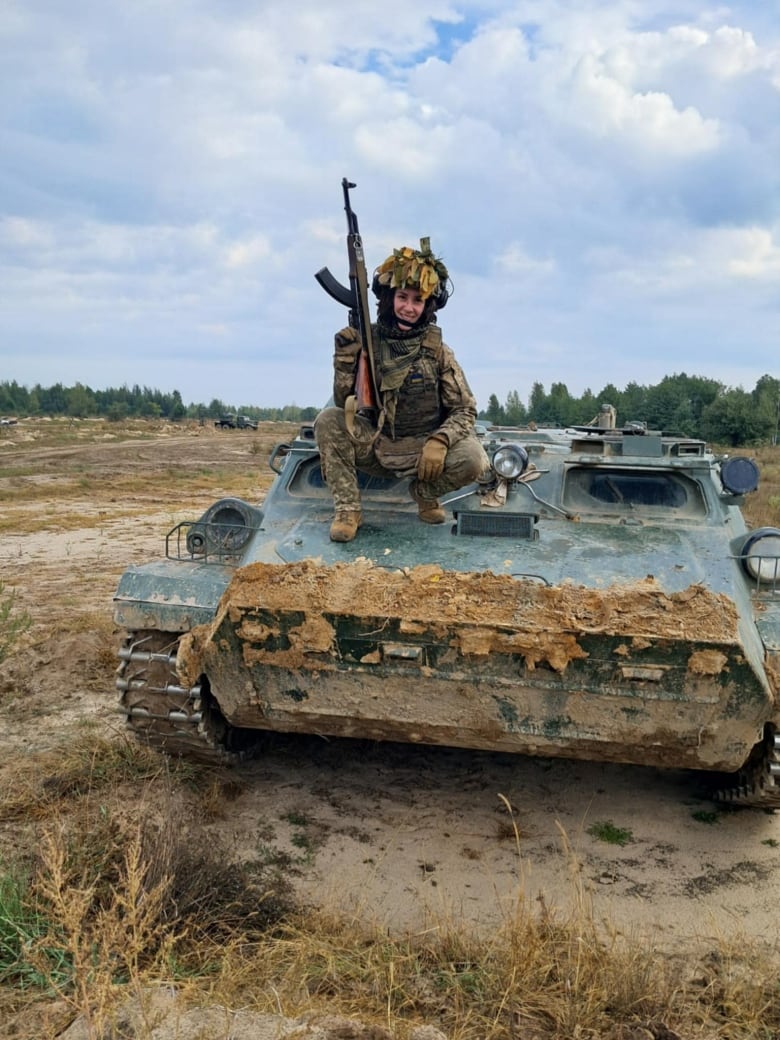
point(364, 401)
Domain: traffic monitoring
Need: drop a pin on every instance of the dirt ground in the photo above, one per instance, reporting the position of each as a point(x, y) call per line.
point(393, 833)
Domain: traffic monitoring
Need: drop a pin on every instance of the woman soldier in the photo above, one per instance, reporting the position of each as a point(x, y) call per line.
point(426, 411)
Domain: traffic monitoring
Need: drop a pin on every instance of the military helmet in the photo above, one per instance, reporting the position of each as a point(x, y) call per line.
point(414, 269)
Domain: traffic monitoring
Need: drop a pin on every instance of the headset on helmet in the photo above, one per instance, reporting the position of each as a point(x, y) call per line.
point(414, 269)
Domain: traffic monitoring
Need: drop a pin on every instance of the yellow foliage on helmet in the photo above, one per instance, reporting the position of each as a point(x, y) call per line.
point(419, 269)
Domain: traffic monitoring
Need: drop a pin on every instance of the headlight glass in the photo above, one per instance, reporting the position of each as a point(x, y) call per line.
point(510, 461)
point(739, 475)
point(761, 555)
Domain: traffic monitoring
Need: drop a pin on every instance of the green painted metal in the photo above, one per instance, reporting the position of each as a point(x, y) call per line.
point(608, 510)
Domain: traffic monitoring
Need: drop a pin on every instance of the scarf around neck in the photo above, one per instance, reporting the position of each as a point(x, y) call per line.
point(397, 351)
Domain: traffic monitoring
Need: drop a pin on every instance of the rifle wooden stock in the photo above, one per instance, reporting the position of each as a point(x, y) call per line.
point(364, 387)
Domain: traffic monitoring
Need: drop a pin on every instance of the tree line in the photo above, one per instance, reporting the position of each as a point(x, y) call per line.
point(692, 405)
point(137, 402)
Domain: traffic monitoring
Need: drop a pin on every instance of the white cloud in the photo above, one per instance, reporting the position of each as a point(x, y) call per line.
point(516, 260)
point(733, 52)
point(722, 261)
point(247, 252)
point(755, 254)
point(594, 173)
point(648, 121)
point(25, 233)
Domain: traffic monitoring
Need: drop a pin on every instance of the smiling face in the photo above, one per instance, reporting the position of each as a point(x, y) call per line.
point(408, 306)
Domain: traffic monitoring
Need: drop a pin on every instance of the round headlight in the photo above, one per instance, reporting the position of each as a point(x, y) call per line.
point(510, 461)
point(761, 555)
point(224, 529)
point(739, 475)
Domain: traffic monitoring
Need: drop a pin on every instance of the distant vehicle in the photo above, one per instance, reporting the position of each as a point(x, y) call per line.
point(233, 422)
point(8, 422)
point(597, 594)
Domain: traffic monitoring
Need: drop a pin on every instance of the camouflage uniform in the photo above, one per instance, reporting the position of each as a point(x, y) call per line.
point(434, 394)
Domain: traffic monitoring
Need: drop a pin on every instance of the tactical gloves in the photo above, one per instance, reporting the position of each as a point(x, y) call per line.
point(346, 337)
point(432, 458)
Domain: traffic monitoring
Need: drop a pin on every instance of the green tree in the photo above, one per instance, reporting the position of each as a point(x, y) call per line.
point(514, 410)
point(117, 411)
point(177, 410)
point(495, 412)
point(587, 407)
point(14, 398)
point(561, 406)
point(766, 396)
point(536, 402)
point(80, 401)
point(732, 419)
point(632, 404)
point(52, 400)
point(217, 406)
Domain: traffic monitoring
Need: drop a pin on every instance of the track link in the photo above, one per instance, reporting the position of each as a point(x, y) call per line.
point(757, 783)
point(181, 721)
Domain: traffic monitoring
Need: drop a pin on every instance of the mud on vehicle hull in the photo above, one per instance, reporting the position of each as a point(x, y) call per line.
point(604, 636)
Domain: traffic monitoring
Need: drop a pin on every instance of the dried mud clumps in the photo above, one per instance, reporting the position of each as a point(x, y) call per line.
point(429, 593)
point(490, 612)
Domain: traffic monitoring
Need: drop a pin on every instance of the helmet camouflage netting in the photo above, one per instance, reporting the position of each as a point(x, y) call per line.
point(418, 269)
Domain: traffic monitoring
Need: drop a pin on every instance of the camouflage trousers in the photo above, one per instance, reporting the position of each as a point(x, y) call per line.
point(343, 456)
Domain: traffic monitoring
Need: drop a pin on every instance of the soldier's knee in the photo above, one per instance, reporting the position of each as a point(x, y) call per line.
point(329, 424)
point(470, 459)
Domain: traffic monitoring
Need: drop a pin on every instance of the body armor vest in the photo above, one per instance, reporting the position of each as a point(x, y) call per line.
point(418, 409)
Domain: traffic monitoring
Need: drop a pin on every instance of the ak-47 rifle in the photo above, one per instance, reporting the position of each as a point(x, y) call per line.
point(364, 400)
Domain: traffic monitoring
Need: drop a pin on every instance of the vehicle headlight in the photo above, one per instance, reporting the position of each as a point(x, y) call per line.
point(510, 461)
point(761, 555)
point(224, 529)
point(739, 475)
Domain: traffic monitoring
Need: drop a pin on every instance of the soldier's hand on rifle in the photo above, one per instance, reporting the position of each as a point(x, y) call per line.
point(345, 360)
point(348, 340)
point(432, 459)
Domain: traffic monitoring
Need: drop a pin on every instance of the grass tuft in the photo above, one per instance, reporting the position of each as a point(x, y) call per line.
point(13, 621)
point(607, 831)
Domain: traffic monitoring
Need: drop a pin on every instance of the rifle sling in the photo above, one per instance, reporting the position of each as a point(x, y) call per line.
point(351, 410)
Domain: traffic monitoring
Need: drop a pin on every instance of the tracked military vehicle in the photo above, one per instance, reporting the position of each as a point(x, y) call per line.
point(595, 595)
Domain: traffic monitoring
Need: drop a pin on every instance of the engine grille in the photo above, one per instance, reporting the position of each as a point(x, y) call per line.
point(496, 525)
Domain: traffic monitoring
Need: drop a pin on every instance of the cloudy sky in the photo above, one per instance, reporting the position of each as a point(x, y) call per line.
point(601, 178)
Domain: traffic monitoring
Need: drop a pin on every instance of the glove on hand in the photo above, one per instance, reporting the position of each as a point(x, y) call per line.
point(432, 456)
point(346, 337)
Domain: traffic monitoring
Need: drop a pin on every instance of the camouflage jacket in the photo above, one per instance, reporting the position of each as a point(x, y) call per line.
point(452, 418)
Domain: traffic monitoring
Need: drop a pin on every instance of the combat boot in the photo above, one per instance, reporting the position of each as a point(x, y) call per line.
point(345, 525)
point(428, 509)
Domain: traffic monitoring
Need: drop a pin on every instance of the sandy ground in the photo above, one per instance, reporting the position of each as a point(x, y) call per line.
point(403, 835)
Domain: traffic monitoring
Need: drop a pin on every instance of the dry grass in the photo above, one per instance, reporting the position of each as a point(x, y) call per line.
point(118, 884)
point(121, 886)
point(762, 508)
point(47, 784)
point(119, 898)
point(125, 888)
point(64, 475)
point(203, 480)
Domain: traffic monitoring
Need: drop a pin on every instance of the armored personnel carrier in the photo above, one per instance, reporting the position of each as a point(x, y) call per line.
point(596, 594)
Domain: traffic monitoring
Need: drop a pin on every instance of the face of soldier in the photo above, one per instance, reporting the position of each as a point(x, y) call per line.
point(408, 306)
